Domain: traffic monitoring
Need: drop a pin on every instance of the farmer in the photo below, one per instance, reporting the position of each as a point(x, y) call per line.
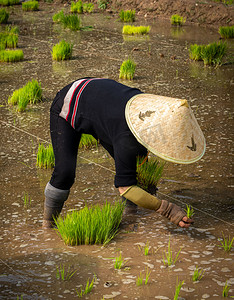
point(127, 123)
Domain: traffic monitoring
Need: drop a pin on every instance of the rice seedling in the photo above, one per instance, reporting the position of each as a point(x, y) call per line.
point(94, 225)
point(88, 288)
point(198, 274)
point(226, 32)
point(169, 259)
point(8, 40)
point(30, 5)
point(195, 52)
point(189, 211)
point(178, 288)
point(72, 22)
point(63, 274)
point(88, 7)
point(87, 141)
point(9, 2)
point(62, 51)
point(226, 243)
point(147, 276)
point(102, 4)
point(11, 55)
point(119, 261)
point(148, 172)
point(20, 297)
point(144, 249)
point(27, 200)
point(58, 17)
point(127, 15)
point(30, 93)
point(127, 69)
point(140, 278)
point(45, 156)
point(4, 15)
point(226, 289)
point(77, 7)
point(177, 20)
point(132, 30)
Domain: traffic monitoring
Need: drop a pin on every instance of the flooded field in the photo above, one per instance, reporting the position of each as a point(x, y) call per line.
point(29, 256)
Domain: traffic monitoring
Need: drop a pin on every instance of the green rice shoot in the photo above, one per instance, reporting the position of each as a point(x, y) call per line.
point(226, 288)
point(144, 249)
point(226, 32)
point(8, 2)
point(127, 69)
point(45, 157)
point(30, 5)
point(11, 55)
point(91, 225)
point(132, 30)
point(4, 15)
point(62, 51)
point(119, 262)
point(27, 200)
point(63, 274)
point(168, 259)
point(88, 288)
point(58, 17)
point(177, 20)
point(87, 141)
point(178, 288)
point(88, 7)
point(8, 40)
point(149, 172)
point(127, 15)
point(198, 274)
point(189, 211)
point(77, 7)
point(226, 243)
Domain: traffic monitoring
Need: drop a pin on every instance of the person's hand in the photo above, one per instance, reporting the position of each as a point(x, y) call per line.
point(185, 222)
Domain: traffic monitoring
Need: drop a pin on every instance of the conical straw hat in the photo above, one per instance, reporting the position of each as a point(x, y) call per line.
point(166, 126)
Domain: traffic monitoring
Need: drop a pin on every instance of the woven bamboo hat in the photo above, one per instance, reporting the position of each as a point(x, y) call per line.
point(166, 126)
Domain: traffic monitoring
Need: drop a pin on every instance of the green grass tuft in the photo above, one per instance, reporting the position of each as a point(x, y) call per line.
point(63, 274)
point(45, 157)
point(8, 2)
point(88, 288)
point(94, 225)
point(62, 51)
point(8, 40)
point(102, 4)
point(177, 20)
point(127, 69)
point(226, 243)
point(178, 288)
point(30, 5)
point(132, 30)
point(4, 15)
point(11, 55)
point(198, 274)
point(226, 32)
point(88, 7)
point(77, 7)
point(58, 17)
point(169, 257)
point(127, 15)
point(87, 141)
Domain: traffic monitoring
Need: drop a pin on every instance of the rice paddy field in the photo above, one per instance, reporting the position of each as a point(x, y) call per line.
point(36, 264)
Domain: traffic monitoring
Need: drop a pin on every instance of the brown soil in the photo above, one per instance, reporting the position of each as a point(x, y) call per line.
point(199, 12)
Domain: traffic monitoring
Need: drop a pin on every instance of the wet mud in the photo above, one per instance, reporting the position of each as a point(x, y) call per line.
point(29, 255)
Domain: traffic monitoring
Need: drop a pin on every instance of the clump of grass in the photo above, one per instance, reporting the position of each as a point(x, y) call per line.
point(94, 225)
point(148, 172)
point(177, 20)
point(30, 5)
point(227, 2)
point(11, 55)
point(140, 278)
point(169, 257)
point(63, 274)
point(30, 93)
point(132, 30)
point(102, 4)
point(77, 7)
point(189, 211)
point(8, 40)
point(119, 261)
point(226, 289)
point(198, 274)
point(27, 200)
point(88, 288)
point(144, 249)
point(45, 157)
point(62, 51)
point(4, 15)
point(211, 54)
point(87, 141)
point(178, 288)
point(72, 22)
point(226, 243)
point(58, 17)
point(127, 69)
point(127, 15)
point(226, 32)
point(9, 2)
point(88, 7)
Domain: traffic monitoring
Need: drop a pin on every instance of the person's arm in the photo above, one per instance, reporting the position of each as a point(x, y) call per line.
point(167, 209)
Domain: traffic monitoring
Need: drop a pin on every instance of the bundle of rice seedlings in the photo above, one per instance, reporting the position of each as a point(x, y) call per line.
point(45, 157)
point(30, 5)
point(226, 32)
point(87, 141)
point(4, 15)
point(58, 17)
point(127, 69)
point(213, 53)
point(8, 2)
point(91, 225)
point(8, 40)
point(177, 20)
point(62, 51)
point(195, 52)
point(11, 55)
point(127, 15)
point(129, 29)
point(72, 22)
point(77, 7)
point(88, 7)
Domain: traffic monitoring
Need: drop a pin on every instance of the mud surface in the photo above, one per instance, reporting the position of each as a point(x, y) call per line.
point(29, 255)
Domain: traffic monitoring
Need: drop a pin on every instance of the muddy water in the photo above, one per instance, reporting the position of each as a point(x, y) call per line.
point(29, 255)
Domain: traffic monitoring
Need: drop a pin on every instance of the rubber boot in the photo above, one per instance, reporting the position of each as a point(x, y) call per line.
point(54, 200)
